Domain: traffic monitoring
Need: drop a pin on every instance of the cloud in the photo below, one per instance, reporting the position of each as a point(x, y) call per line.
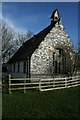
point(11, 24)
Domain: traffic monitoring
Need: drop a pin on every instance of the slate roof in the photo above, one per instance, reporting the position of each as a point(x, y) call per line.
point(28, 48)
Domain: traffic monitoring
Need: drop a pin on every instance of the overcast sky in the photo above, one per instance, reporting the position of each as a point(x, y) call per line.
point(36, 16)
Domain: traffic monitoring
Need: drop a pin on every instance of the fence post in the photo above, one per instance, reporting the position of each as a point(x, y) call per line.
point(53, 82)
point(76, 80)
point(65, 82)
point(40, 84)
point(10, 84)
point(24, 84)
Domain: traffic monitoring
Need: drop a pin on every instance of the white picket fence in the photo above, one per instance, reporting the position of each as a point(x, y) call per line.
point(42, 84)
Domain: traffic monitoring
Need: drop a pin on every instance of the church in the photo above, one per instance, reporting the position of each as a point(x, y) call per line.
point(46, 54)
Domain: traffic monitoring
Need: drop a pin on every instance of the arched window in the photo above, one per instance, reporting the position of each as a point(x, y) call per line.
point(59, 62)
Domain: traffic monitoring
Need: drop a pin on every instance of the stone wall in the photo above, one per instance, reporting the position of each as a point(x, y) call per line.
point(42, 58)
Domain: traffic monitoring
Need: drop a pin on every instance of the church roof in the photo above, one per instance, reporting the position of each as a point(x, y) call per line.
point(28, 48)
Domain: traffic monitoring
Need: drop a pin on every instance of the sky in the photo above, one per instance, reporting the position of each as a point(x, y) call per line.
point(35, 16)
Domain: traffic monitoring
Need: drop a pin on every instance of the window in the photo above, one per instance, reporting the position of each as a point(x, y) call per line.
point(18, 66)
point(58, 61)
point(24, 67)
point(14, 67)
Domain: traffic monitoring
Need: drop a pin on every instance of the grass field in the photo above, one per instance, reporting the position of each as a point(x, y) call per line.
point(57, 104)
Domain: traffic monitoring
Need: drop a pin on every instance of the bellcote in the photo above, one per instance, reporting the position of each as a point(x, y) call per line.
point(55, 16)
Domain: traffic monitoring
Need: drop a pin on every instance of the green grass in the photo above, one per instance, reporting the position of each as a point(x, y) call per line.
point(34, 104)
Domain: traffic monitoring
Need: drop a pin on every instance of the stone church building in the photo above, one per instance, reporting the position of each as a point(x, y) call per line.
point(47, 53)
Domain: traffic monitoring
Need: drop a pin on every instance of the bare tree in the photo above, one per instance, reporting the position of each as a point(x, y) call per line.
point(7, 38)
point(22, 37)
point(11, 41)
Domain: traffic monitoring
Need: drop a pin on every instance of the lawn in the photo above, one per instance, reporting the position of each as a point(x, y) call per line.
point(57, 104)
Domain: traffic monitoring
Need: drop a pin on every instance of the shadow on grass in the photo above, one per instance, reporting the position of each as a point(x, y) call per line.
point(35, 105)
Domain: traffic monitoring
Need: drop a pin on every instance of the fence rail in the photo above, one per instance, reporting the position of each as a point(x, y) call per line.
point(59, 83)
point(42, 84)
